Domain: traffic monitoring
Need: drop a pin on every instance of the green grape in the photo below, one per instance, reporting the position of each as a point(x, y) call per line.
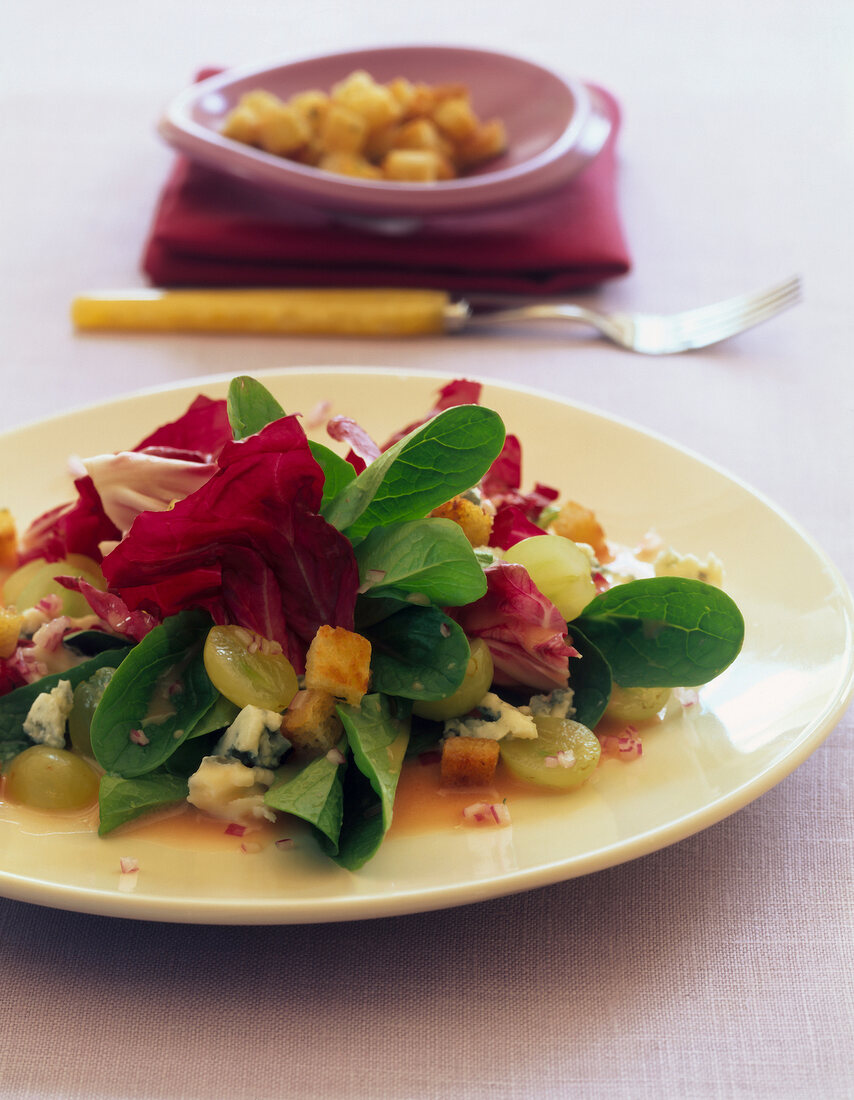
point(635, 704)
point(87, 695)
point(261, 679)
point(51, 779)
point(476, 683)
point(35, 580)
point(538, 760)
point(559, 568)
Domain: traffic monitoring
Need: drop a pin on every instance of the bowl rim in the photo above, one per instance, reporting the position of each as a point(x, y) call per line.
point(538, 173)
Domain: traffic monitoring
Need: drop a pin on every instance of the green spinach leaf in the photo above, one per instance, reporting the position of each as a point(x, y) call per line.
point(418, 653)
point(443, 457)
point(122, 800)
point(337, 471)
point(89, 643)
point(316, 795)
point(15, 706)
point(589, 678)
point(221, 714)
point(378, 733)
point(250, 406)
point(664, 631)
point(427, 558)
point(158, 694)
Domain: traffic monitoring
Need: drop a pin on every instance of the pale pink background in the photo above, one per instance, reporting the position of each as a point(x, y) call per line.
point(721, 967)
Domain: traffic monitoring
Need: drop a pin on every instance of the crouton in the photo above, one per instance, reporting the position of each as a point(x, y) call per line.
point(311, 724)
point(468, 761)
point(10, 631)
point(8, 540)
point(476, 524)
point(578, 523)
point(339, 662)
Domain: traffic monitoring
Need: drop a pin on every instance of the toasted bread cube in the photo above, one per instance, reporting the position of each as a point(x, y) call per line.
point(10, 631)
point(374, 102)
point(343, 130)
point(8, 540)
point(420, 133)
point(311, 724)
point(412, 165)
point(455, 117)
point(578, 523)
point(349, 164)
point(403, 91)
point(381, 141)
point(283, 131)
point(339, 662)
point(488, 140)
point(261, 103)
point(241, 125)
point(468, 761)
point(312, 105)
point(475, 522)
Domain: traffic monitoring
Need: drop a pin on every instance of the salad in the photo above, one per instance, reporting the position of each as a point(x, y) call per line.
point(235, 618)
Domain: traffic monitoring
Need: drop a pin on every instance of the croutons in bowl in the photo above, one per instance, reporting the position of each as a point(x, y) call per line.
point(406, 130)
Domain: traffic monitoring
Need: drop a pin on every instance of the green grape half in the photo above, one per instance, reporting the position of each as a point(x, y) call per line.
point(35, 580)
point(51, 779)
point(539, 759)
point(241, 667)
point(559, 568)
point(476, 683)
point(635, 704)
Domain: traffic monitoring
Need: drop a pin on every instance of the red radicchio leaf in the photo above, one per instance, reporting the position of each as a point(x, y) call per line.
point(78, 527)
point(75, 528)
point(510, 526)
point(248, 546)
point(203, 428)
point(525, 632)
point(362, 448)
point(502, 480)
point(458, 392)
point(112, 610)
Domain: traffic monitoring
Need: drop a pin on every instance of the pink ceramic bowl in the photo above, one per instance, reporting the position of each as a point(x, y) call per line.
point(554, 128)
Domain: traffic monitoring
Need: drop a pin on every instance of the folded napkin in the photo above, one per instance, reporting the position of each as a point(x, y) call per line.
point(210, 229)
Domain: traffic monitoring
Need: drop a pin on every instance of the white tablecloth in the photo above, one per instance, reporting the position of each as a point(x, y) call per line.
point(719, 967)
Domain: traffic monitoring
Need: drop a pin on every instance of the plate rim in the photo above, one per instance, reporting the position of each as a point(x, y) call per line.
point(344, 907)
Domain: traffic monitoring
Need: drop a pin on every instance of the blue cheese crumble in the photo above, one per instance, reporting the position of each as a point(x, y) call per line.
point(230, 791)
point(670, 564)
point(45, 721)
point(254, 738)
point(557, 704)
point(494, 720)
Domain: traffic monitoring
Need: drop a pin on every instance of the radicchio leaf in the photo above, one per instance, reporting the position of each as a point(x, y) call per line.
point(248, 546)
point(74, 528)
point(525, 632)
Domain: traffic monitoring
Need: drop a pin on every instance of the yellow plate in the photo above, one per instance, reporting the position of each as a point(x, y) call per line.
point(753, 726)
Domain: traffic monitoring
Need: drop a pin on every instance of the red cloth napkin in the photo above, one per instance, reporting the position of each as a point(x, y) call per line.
point(210, 229)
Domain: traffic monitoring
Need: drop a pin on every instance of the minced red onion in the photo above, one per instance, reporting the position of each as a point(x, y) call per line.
point(285, 842)
point(335, 756)
point(688, 697)
point(138, 737)
point(487, 813)
point(128, 865)
point(233, 829)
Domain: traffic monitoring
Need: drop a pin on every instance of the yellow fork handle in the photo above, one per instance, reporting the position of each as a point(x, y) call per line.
point(374, 312)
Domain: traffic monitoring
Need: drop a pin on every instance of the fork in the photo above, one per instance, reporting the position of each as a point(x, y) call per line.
point(402, 312)
point(648, 333)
